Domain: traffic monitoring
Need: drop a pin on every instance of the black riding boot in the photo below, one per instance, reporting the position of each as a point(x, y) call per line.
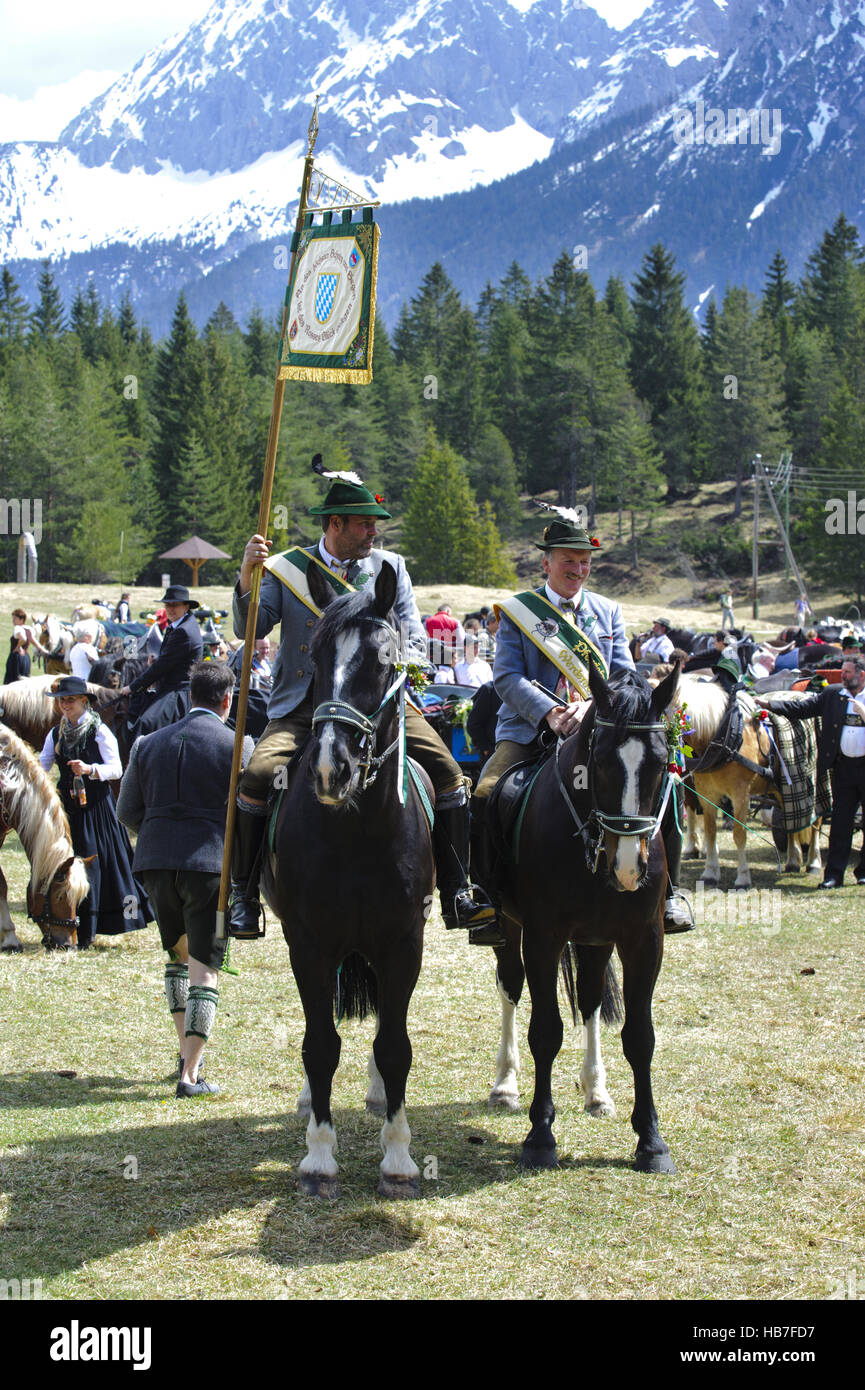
point(678, 916)
point(245, 913)
point(460, 908)
point(481, 859)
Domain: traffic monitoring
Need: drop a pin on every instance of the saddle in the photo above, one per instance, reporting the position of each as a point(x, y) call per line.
point(724, 747)
point(507, 803)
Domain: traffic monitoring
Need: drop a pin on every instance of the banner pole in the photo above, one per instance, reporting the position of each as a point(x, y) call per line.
point(263, 527)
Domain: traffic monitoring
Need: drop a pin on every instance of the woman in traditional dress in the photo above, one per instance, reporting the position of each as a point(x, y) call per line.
point(18, 661)
point(87, 756)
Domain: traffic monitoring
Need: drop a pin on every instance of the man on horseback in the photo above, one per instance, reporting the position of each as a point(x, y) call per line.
point(546, 639)
point(345, 553)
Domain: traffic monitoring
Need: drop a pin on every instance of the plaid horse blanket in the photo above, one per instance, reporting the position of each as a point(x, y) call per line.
point(806, 797)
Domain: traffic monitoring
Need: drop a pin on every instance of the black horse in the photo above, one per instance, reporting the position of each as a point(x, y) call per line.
point(591, 871)
point(351, 874)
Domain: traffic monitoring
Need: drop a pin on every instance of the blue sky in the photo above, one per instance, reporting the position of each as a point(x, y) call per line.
point(56, 56)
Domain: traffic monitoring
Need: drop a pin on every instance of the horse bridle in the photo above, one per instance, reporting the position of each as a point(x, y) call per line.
point(366, 727)
point(46, 917)
point(642, 826)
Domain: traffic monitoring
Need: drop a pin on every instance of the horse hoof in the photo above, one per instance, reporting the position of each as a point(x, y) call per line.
point(376, 1107)
point(654, 1163)
point(599, 1109)
point(504, 1100)
point(12, 950)
point(533, 1158)
point(398, 1189)
point(691, 854)
point(814, 869)
point(710, 882)
point(314, 1185)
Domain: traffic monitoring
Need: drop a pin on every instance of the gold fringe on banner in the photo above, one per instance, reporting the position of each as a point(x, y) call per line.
point(345, 376)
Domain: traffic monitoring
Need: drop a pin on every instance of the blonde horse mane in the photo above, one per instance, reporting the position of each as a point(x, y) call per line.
point(33, 808)
point(25, 707)
point(706, 704)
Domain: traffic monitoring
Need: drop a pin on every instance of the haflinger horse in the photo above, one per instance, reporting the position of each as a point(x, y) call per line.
point(58, 880)
point(737, 775)
point(57, 637)
point(591, 875)
point(351, 874)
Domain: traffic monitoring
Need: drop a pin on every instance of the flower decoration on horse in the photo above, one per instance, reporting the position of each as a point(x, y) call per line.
point(676, 726)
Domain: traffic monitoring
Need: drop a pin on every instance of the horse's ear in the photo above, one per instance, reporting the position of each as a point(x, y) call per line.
point(600, 690)
point(88, 860)
point(665, 693)
point(319, 588)
point(385, 589)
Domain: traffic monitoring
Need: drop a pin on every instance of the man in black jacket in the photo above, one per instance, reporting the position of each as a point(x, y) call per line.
point(841, 751)
point(174, 793)
point(182, 646)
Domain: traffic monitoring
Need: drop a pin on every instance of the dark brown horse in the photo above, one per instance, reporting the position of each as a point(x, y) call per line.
point(351, 874)
point(591, 877)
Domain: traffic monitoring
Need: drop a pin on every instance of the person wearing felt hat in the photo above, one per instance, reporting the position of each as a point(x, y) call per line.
point(655, 645)
point(523, 656)
point(182, 646)
point(88, 758)
point(348, 515)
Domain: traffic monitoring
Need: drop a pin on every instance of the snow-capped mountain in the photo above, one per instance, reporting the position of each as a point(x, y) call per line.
point(544, 124)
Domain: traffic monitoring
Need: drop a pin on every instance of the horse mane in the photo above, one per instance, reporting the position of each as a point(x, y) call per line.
point(33, 808)
point(631, 698)
point(337, 615)
point(24, 700)
point(706, 705)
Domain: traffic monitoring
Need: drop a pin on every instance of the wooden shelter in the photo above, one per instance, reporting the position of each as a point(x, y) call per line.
point(194, 552)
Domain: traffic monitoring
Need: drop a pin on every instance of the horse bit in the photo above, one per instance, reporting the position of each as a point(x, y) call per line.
point(365, 726)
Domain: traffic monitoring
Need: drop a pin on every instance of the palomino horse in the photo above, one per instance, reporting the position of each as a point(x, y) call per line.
point(57, 637)
point(604, 791)
point(736, 777)
point(58, 880)
point(351, 874)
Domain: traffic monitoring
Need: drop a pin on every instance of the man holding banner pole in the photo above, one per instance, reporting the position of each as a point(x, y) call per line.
point(345, 554)
point(546, 639)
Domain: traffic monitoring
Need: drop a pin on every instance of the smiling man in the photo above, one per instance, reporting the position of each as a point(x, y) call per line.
point(549, 635)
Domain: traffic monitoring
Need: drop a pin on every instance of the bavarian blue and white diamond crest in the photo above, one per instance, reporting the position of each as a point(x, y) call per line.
point(325, 293)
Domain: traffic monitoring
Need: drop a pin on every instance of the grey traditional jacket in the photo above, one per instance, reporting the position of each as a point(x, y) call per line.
point(292, 669)
point(519, 662)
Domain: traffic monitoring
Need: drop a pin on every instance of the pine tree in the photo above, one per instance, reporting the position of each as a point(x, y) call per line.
point(746, 398)
point(84, 317)
point(667, 369)
point(439, 533)
point(833, 288)
point(46, 321)
point(14, 313)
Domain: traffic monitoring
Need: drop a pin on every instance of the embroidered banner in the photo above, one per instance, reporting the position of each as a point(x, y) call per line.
point(559, 641)
point(331, 303)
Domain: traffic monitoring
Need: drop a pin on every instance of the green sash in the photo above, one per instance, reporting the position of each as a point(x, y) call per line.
point(556, 639)
point(291, 569)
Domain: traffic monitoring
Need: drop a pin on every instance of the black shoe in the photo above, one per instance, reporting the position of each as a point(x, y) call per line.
point(186, 1089)
point(466, 913)
point(246, 919)
point(829, 883)
point(861, 882)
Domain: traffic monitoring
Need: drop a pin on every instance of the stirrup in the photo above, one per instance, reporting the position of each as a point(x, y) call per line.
point(678, 916)
point(465, 913)
point(246, 919)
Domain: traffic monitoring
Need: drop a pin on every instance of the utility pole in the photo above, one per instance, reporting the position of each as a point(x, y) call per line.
point(755, 563)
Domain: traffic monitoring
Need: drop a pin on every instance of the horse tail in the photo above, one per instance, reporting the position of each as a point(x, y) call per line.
point(612, 1004)
point(356, 992)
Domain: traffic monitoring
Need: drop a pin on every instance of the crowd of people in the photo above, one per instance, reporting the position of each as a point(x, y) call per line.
point(527, 659)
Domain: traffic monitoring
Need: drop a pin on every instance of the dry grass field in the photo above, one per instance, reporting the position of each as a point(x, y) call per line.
point(111, 1189)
